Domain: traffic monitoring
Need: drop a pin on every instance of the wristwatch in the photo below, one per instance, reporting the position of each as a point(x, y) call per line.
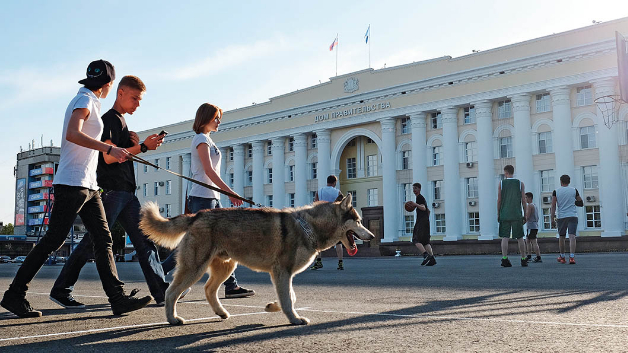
point(143, 147)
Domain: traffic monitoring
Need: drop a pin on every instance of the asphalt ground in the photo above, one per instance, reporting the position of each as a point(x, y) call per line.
point(387, 304)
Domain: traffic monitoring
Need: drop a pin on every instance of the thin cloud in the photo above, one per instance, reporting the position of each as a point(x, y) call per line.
point(24, 84)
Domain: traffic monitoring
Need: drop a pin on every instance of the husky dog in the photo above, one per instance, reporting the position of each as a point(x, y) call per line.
point(280, 242)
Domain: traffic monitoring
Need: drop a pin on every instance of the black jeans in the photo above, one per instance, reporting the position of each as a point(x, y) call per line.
point(124, 207)
point(71, 201)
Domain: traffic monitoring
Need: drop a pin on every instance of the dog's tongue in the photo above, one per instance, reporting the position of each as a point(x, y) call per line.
point(353, 251)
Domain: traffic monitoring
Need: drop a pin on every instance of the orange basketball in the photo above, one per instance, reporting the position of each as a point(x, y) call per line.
point(409, 206)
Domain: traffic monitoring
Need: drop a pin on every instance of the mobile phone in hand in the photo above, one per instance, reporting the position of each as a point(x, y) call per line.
point(163, 133)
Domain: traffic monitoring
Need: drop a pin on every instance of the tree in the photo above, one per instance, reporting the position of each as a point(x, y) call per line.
point(8, 229)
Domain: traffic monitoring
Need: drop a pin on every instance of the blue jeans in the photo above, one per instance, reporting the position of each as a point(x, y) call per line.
point(124, 207)
point(196, 204)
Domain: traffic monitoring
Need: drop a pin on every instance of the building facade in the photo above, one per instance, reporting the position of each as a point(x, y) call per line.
point(451, 124)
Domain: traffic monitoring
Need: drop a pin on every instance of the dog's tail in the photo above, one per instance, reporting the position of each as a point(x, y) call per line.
point(166, 232)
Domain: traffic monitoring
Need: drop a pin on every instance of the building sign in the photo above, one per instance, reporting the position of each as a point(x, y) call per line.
point(361, 109)
point(20, 201)
point(12, 237)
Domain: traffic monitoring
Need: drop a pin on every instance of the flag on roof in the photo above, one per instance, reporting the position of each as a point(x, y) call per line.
point(333, 44)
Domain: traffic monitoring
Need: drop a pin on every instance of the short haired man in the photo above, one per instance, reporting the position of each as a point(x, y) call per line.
point(532, 223)
point(421, 231)
point(329, 193)
point(510, 203)
point(118, 183)
point(564, 202)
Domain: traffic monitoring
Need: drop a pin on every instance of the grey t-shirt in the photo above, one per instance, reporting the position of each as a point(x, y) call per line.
point(566, 202)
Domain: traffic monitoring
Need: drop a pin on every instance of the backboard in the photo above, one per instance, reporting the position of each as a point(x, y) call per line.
point(622, 65)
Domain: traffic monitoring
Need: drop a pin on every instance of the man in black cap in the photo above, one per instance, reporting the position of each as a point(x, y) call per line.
point(76, 193)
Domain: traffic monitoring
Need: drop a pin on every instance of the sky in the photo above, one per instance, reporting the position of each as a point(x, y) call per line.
point(234, 53)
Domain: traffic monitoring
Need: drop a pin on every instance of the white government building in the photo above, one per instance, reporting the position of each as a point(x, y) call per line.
point(451, 124)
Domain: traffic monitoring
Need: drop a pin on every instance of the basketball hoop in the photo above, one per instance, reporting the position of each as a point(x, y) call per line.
point(609, 106)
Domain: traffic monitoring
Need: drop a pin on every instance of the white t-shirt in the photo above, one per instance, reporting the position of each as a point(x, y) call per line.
point(77, 164)
point(198, 173)
point(328, 193)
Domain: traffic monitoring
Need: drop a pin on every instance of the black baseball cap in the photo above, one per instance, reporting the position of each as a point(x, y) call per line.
point(99, 73)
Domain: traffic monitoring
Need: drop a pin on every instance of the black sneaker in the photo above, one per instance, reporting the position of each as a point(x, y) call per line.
point(529, 258)
point(67, 301)
point(340, 266)
point(317, 264)
point(431, 261)
point(18, 305)
point(239, 293)
point(537, 259)
point(425, 260)
point(524, 262)
point(128, 303)
point(506, 263)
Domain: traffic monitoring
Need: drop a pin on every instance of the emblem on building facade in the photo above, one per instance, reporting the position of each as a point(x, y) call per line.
point(351, 85)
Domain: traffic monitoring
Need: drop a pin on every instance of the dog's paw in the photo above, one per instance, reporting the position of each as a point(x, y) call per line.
point(176, 321)
point(300, 321)
point(272, 307)
point(223, 315)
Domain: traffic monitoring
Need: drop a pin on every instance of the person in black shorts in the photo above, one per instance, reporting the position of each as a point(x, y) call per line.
point(421, 232)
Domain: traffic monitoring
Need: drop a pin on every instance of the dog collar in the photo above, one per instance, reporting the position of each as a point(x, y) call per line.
point(305, 226)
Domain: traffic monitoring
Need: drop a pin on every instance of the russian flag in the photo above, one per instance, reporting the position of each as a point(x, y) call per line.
point(333, 44)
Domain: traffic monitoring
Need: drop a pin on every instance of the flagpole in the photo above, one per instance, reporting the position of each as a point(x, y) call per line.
point(337, 54)
point(369, 46)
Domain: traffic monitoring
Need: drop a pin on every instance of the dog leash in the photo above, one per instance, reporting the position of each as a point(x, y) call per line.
point(137, 159)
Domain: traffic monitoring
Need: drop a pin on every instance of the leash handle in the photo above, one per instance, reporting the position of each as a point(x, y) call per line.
point(135, 158)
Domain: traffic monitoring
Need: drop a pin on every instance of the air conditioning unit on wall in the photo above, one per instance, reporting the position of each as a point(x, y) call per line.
point(435, 204)
point(469, 164)
point(161, 209)
point(547, 199)
point(472, 203)
point(161, 183)
point(590, 198)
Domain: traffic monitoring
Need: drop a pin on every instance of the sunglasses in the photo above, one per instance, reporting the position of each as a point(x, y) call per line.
point(218, 119)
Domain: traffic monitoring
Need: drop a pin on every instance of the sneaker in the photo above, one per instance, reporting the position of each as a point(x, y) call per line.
point(67, 301)
point(431, 261)
point(529, 258)
point(561, 259)
point(18, 305)
point(239, 293)
point(524, 262)
point(572, 260)
point(128, 303)
point(537, 259)
point(318, 264)
point(425, 260)
point(163, 301)
point(506, 263)
point(340, 267)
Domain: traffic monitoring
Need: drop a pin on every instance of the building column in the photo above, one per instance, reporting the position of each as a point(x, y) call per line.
point(453, 196)
point(323, 143)
point(224, 158)
point(563, 138)
point(238, 169)
point(186, 159)
point(279, 187)
point(486, 171)
point(524, 169)
point(419, 149)
point(258, 172)
point(391, 224)
point(300, 172)
point(610, 181)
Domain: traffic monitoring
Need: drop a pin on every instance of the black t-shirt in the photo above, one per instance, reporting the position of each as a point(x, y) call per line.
point(115, 176)
point(421, 201)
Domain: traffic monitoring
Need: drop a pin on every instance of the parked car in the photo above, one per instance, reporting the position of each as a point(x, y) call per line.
point(5, 259)
point(61, 259)
point(19, 259)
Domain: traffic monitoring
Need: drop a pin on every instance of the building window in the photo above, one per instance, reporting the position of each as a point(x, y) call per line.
point(290, 173)
point(472, 188)
point(594, 217)
point(156, 164)
point(249, 151)
point(372, 197)
point(168, 187)
point(405, 159)
point(584, 96)
point(291, 144)
point(313, 196)
point(168, 162)
point(437, 187)
point(313, 141)
point(145, 168)
point(589, 177)
point(291, 199)
point(145, 190)
point(354, 197)
point(587, 137)
point(269, 200)
point(409, 222)
point(249, 177)
point(471, 151)
point(351, 168)
point(437, 155)
point(504, 110)
point(439, 220)
point(474, 222)
point(547, 180)
point(313, 170)
point(231, 154)
point(409, 195)
point(436, 121)
point(168, 210)
point(547, 219)
point(542, 103)
point(269, 148)
point(156, 189)
point(405, 126)
point(371, 165)
point(352, 143)
point(269, 175)
point(230, 179)
point(469, 115)
point(505, 147)
point(545, 142)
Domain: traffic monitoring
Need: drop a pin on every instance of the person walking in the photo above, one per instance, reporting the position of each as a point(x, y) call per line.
point(329, 193)
point(118, 183)
point(76, 193)
point(421, 231)
point(563, 211)
point(510, 203)
point(532, 223)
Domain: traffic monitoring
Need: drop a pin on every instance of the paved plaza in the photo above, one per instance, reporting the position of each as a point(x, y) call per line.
point(386, 304)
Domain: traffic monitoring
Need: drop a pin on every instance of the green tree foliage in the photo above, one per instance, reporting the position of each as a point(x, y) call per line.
point(8, 229)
